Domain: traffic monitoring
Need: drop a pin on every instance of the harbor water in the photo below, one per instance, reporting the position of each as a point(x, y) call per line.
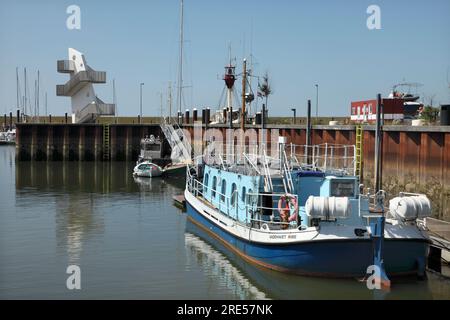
point(130, 242)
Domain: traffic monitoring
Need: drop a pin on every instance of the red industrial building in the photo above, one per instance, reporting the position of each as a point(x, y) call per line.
point(393, 108)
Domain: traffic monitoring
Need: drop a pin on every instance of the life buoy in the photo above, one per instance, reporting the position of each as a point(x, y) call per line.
point(285, 204)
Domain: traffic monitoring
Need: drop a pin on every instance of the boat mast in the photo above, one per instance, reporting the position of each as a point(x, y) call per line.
point(180, 70)
point(170, 101)
point(17, 88)
point(37, 98)
point(161, 103)
point(244, 82)
point(25, 98)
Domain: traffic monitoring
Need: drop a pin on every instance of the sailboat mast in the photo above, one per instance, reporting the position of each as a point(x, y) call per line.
point(25, 98)
point(17, 88)
point(170, 101)
point(161, 103)
point(244, 82)
point(180, 71)
point(37, 101)
point(35, 104)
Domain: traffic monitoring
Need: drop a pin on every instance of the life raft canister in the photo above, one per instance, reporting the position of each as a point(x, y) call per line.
point(285, 204)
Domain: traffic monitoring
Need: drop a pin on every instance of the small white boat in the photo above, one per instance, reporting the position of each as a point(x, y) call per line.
point(147, 169)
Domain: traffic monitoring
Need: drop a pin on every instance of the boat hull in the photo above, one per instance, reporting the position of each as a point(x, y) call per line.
point(151, 170)
point(332, 258)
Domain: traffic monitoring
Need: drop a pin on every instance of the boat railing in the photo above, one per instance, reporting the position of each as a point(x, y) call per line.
point(229, 205)
point(329, 158)
point(255, 211)
point(197, 188)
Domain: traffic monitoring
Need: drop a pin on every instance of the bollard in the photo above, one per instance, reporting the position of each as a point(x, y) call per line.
point(208, 115)
point(224, 114)
point(194, 115)
point(203, 116)
point(18, 116)
point(186, 116)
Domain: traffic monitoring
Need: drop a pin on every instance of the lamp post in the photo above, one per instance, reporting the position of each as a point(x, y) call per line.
point(295, 113)
point(317, 102)
point(140, 102)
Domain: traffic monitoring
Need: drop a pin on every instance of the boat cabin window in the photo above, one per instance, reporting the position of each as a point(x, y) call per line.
point(342, 188)
point(206, 182)
point(144, 167)
point(214, 186)
point(223, 190)
point(150, 147)
point(233, 194)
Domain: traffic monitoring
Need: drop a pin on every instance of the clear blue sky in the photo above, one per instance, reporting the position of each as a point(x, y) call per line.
point(299, 43)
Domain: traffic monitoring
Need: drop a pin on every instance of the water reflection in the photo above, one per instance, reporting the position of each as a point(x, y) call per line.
point(98, 215)
point(219, 261)
point(217, 266)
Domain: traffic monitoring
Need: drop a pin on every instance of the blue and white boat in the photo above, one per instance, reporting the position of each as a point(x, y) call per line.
point(301, 211)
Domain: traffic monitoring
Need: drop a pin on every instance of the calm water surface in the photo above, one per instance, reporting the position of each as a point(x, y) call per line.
point(132, 243)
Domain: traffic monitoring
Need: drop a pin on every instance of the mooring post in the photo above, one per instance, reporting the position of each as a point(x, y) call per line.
point(18, 116)
point(377, 227)
point(208, 116)
point(65, 117)
point(378, 145)
point(186, 116)
point(49, 118)
point(308, 132)
point(194, 115)
point(10, 121)
point(49, 143)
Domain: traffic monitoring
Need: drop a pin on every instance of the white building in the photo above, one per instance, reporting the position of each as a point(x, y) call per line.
point(86, 106)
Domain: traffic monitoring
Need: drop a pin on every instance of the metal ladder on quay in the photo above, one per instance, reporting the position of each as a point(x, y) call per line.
point(106, 142)
point(359, 151)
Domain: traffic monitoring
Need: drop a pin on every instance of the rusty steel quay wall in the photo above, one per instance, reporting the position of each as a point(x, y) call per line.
point(415, 159)
point(79, 142)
